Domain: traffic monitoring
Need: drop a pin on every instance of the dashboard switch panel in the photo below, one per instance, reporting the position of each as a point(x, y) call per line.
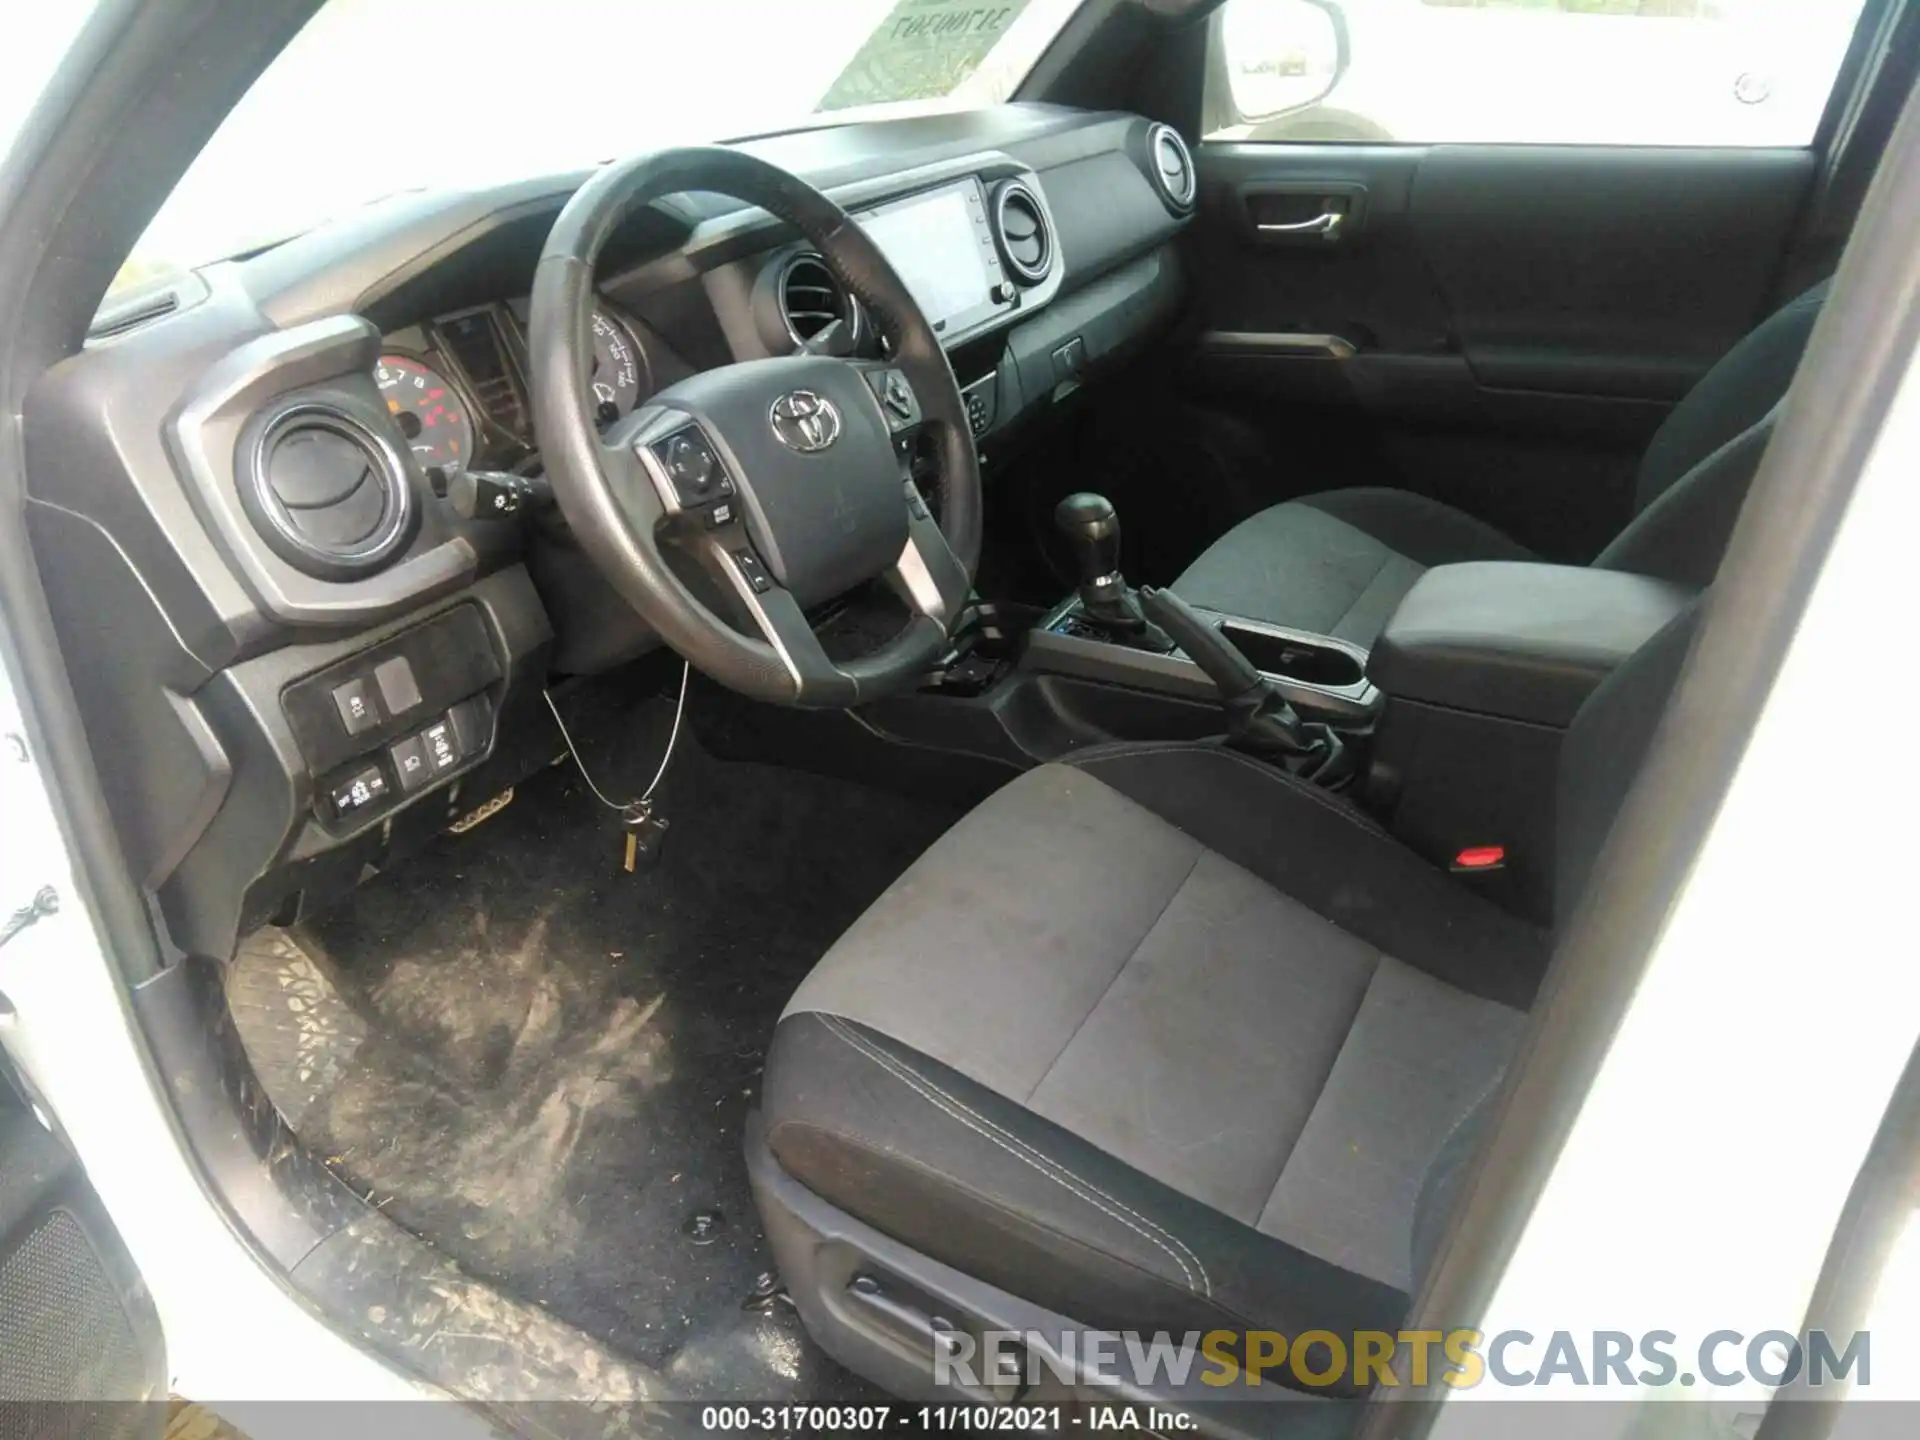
point(410, 763)
point(398, 688)
point(460, 735)
point(443, 746)
point(449, 658)
point(358, 712)
point(472, 725)
point(360, 792)
point(980, 406)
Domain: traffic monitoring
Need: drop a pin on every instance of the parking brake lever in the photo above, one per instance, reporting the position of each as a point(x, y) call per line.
point(1259, 719)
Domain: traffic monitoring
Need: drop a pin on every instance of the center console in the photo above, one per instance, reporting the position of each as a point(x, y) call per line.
point(1460, 707)
point(1322, 677)
point(1448, 731)
point(1102, 633)
point(1485, 666)
point(1022, 686)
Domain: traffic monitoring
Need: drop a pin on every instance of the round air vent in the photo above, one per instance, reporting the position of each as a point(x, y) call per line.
point(327, 492)
point(1026, 240)
point(1173, 170)
point(812, 298)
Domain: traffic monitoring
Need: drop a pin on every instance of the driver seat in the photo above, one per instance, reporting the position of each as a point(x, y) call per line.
point(1160, 1039)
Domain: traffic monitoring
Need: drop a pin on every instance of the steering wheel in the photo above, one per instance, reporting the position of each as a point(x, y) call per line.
point(785, 481)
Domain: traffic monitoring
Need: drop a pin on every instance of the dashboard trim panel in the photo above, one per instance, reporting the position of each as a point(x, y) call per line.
point(204, 435)
point(743, 237)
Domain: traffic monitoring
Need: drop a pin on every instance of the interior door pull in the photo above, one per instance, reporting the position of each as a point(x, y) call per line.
point(1326, 225)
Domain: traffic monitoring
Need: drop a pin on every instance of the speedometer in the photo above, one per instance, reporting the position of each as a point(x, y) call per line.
point(427, 410)
point(617, 369)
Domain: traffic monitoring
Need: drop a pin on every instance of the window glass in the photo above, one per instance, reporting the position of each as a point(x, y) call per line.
point(1539, 72)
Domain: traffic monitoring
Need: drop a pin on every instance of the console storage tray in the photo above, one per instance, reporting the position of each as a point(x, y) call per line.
point(1515, 640)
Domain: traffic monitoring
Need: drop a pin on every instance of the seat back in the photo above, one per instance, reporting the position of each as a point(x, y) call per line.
point(1696, 471)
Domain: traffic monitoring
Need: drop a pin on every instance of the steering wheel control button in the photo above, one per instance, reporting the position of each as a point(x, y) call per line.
point(719, 515)
point(690, 463)
point(896, 398)
point(692, 468)
point(916, 506)
point(410, 763)
point(358, 710)
point(752, 571)
point(399, 691)
point(367, 788)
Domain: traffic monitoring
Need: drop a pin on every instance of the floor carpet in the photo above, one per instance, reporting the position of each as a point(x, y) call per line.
point(560, 1055)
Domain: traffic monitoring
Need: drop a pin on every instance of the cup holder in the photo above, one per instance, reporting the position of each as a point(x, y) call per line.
point(1295, 659)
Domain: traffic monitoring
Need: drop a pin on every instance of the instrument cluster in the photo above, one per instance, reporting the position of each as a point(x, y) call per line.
point(457, 386)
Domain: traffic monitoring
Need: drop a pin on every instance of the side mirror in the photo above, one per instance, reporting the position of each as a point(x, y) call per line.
point(1282, 55)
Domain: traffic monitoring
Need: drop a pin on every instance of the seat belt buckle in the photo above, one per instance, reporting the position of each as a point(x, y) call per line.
point(1480, 860)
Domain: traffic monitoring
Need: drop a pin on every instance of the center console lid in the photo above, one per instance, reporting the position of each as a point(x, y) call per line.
point(1516, 640)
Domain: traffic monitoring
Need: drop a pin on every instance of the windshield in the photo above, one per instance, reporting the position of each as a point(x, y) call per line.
point(37, 38)
point(378, 96)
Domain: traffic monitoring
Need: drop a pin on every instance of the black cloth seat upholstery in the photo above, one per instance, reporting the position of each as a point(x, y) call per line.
point(1339, 562)
point(1163, 1039)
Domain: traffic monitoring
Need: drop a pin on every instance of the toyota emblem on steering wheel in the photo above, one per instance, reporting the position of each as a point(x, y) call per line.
point(805, 421)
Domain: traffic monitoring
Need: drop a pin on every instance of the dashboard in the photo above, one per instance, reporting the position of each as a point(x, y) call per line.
point(305, 657)
point(457, 385)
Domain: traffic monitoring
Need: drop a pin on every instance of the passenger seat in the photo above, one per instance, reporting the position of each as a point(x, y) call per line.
point(1339, 562)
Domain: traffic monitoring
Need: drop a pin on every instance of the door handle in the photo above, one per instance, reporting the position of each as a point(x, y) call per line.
point(1326, 225)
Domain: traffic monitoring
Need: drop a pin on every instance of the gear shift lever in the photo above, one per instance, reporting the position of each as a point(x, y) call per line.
point(1259, 719)
point(1091, 526)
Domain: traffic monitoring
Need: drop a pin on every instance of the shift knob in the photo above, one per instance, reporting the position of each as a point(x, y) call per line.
point(1090, 525)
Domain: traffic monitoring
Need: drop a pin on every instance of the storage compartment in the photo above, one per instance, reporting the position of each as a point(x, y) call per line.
point(1295, 658)
point(1484, 666)
point(1518, 641)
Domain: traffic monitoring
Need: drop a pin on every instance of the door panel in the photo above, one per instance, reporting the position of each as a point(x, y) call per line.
point(1600, 271)
point(1502, 327)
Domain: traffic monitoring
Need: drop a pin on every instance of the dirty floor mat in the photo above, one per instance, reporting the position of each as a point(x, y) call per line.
point(558, 1056)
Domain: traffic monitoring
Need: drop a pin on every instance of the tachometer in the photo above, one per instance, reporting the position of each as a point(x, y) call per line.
point(617, 369)
point(428, 411)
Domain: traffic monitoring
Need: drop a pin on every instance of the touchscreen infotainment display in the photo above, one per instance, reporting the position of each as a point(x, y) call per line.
point(940, 250)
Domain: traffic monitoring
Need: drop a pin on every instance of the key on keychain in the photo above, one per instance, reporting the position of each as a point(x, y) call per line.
point(646, 834)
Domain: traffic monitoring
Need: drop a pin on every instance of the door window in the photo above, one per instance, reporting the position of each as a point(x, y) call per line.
point(1526, 72)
